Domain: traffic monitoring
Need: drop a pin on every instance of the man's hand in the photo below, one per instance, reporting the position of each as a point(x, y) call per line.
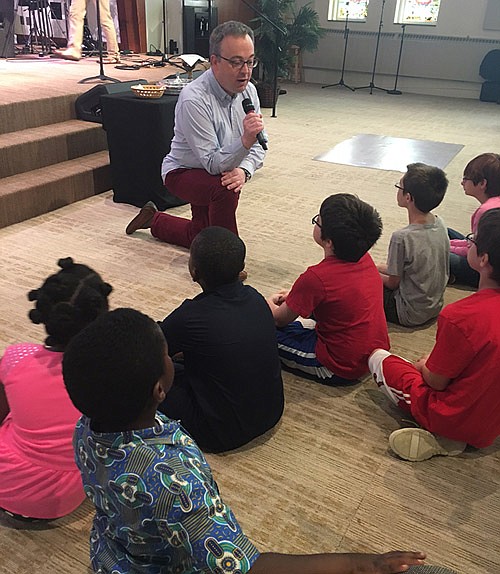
point(252, 125)
point(234, 180)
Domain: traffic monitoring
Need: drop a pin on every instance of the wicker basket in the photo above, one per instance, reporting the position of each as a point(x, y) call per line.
point(148, 90)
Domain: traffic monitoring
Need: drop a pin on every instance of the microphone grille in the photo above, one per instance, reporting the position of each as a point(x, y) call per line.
point(248, 105)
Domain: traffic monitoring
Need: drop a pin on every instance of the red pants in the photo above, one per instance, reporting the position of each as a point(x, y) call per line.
point(433, 410)
point(211, 204)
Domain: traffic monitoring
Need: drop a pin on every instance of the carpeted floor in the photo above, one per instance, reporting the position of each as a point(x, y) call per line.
point(324, 480)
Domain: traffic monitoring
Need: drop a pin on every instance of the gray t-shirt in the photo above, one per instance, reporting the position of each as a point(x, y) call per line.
point(418, 254)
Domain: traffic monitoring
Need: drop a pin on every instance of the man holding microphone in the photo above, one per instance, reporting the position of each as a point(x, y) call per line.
point(217, 143)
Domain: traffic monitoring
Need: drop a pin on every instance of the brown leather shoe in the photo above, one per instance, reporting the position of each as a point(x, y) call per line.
point(143, 219)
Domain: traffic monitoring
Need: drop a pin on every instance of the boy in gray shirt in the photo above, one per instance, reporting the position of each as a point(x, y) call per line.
point(416, 273)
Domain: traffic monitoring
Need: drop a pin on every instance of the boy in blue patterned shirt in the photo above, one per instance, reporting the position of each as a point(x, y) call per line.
point(158, 507)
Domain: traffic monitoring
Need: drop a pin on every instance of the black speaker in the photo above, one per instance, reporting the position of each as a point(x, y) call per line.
point(88, 105)
point(6, 28)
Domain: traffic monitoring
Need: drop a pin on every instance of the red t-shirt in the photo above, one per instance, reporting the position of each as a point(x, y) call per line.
point(346, 300)
point(467, 350)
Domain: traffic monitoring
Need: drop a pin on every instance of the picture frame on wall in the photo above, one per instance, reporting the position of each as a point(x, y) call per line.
point(354, 10)
point(421, 12)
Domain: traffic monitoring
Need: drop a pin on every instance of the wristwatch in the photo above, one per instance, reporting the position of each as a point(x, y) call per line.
point(248, 175)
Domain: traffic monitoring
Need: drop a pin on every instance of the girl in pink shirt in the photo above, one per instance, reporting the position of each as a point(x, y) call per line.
point(38, 475)
point(481, 180)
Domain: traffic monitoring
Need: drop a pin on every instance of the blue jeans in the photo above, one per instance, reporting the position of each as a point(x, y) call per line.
point(462, 271)
point(459, 267)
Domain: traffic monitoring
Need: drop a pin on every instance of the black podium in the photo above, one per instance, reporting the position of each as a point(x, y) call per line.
point(139, 133)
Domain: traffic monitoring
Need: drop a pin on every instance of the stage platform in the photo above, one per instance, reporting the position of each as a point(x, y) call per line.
point(48, 158)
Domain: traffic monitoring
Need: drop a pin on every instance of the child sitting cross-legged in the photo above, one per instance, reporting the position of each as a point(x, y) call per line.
point(38, 475)
point(343, 294)
point(223, 396)
point(158, 507)
point(481, 180)
point(416, 272)
point(453, 392)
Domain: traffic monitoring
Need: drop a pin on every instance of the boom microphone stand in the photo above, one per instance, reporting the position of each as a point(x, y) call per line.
point(101, 75)
point(395, 91)
point(346, 39)
point(372, 85)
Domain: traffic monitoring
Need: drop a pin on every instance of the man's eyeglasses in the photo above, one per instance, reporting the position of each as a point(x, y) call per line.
point(315, 221)
point(239, 63)
point(466, 179)
point(470, 239)
point(397, 186)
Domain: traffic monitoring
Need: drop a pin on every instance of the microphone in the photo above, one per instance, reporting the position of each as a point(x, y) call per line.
point(249, 107)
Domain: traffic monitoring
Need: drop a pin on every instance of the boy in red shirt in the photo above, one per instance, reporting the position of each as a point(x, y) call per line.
point(343, 293)
point(453, 392)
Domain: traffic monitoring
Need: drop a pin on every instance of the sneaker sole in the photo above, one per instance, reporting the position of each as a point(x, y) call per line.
point(417, 445)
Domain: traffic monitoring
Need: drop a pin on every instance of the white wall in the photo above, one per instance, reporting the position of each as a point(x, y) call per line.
point(442, 59)
point(154, 23)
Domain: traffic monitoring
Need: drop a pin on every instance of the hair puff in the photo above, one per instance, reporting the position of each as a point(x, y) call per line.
point(68, 301)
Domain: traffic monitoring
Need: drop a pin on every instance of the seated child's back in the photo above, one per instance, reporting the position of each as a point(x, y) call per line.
point(39, 478)
point(158, 507)
point(343, 293)
point(228, 389)
point(416, 272)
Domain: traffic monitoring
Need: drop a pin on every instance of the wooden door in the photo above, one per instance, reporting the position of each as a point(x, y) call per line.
point(235, 10)
point(132, 19)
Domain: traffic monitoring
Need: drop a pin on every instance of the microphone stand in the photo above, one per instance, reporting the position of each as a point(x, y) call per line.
point(395, 91)
point(101, 75)
point(164, 16)
point(279, 30)
point(346, 39)
point(372, 85)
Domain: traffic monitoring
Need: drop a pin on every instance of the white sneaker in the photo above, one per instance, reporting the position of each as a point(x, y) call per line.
point(415, 444)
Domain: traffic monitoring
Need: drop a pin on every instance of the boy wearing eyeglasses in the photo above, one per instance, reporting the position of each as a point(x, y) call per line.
point(416, 273)
point(343, 293)
point(453, 392)
point(481, 180)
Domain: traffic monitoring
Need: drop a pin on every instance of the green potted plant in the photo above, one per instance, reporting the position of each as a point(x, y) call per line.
point(301, 28)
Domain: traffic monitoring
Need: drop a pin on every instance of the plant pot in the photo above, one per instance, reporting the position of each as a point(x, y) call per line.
point(265, 93)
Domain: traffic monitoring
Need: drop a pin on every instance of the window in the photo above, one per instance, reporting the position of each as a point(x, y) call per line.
point(348, 9)
point(417, 12)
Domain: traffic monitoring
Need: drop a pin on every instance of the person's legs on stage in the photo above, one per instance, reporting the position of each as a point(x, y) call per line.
point(76, 18)
point(109, 29)
point(77, 13)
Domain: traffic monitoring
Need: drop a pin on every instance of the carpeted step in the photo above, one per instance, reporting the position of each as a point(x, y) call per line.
point(33, 148)
point(30, 113)
point(42, 190)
